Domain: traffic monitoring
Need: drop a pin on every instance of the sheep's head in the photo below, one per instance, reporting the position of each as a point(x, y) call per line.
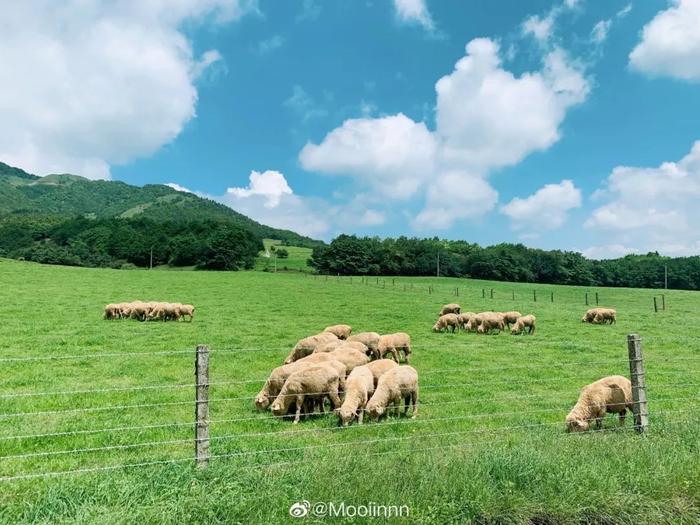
point(375, 411)
point(576, 425)
point(262, 402)
point(514, 330)
point(278, 408)
point(345, 415)
point(436, 327)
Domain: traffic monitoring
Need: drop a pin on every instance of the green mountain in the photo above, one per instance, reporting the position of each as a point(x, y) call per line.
point(71, 195)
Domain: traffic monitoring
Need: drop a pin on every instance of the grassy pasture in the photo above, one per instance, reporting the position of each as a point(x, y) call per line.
point(488, 445)
point(295, 262)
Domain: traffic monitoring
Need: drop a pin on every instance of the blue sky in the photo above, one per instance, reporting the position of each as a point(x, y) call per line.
point(561, 124)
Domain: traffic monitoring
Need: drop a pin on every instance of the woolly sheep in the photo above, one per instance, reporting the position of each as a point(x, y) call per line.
point(341, 331)
point(315, 382)
point(396, 384)
point(610, 394)
point(600, 316)
point(510, 318)
point(380, 367)
point(447, 322)
point(350, 357)
point(369, 339)
point(489, 321)
point(359, 387)
point(328, 346)
point(465, 318)
point(186, 310)
point(279, 375)
point(452, 308)
point(307, 345)
point(526, 321)
point(111, 311)
point(394, 343)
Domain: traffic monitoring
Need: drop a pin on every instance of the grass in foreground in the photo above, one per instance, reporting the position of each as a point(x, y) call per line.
point(488, 445)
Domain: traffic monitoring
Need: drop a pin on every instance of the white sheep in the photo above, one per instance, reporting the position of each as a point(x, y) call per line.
point(525, 322)
point(452, 308)
point(393, 386)
point(350, 357)
point(341, 331)
point(313, 382)
point(393, 344)
point(610, 394)
point(447, 322)
point(307, 345)
point(369, 339)
point(359, 387)
point(380, 367)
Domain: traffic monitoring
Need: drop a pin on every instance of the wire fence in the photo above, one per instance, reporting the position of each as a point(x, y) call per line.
point(40, 440)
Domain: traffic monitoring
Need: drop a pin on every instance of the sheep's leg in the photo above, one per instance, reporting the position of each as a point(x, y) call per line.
point(414, 398)
point(406, 353)
point(397, 406)
point(360, 415)
point(394, 354)
point(335, 399)
point(299, 405)
point(598, 422)
point(406, 402)
point(321, 405)
point(622, 416)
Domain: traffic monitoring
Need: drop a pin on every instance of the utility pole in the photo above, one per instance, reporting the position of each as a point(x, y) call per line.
point(665, 276)
point(151, 264)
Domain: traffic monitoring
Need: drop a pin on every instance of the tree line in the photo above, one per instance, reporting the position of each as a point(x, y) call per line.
point(124, 243)
point(351, 255)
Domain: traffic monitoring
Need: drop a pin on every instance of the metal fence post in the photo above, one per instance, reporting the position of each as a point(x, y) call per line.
point(639, 393)
point(201, 407)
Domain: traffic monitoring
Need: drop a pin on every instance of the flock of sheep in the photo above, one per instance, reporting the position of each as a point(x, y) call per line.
point(450, 319)
point(350, 370)
point(149, 311)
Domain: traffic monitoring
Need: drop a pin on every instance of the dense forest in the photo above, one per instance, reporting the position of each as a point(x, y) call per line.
point(351, 255)
point(126, 243)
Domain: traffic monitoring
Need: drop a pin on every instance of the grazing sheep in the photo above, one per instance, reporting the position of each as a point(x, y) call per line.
point(314, 382)
point(380, 367)
point(600, 316)
point(447, 322)
point(393, 343)
point(186, 310)
point(328, 346)
point(464, 319)
point(139, 310)
point(396, 384)
point(510, 318)
point(111, 311)
point(350, 357)
point(610, 394)
point(489, 321)
point(359, 386)
point(526, 321)
point(307, 345)
point(369, 339)
point(452, 308)
point(341, 331)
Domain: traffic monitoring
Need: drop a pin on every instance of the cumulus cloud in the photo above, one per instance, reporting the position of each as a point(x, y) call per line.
point(546, 209)
point(486, 118)
point(270, 185)
point(85, 84)
point(177, 187)
point(652, 208)
point(414, 11)
point(608, 251)
point(670, 44)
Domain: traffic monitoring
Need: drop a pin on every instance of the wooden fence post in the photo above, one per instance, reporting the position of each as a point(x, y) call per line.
point(656, 307)
point(457, 291)
point(663, 301)
point(513, 292)
point(639, 393)
point(491, 293)
point(483, 293)
point(534, 295)
point(552, 296)
point(586, 298)
point(596, 298)
point(201, 407)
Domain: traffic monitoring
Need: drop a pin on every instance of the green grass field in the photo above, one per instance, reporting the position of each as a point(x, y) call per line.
point(488, 446)
point(296, 261)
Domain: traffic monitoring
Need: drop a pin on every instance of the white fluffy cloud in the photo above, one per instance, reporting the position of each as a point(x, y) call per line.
point(670, 44)
point(85, 84)
point(652, 208)
point(270, 185)
point(486, 118)
point(414, 11)
point(391, 154)
point(546, 209)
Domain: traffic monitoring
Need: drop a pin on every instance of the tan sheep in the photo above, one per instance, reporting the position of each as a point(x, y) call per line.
point(452, 308)
point(313, 382)
point(369, 339)
point(111, 311)
point(380, 367)
point(396, 384)
point(139, 310)
point(307, 345)
point(447, 322)
point(611, 394)
point(489, 321)
point(328, 346)
point(525, 322)
point(464, 320)
point(341, 331)
point(186, 310)
point(393, 344)
point(350, 357)
point(359, 387)
point(600, 316)
point(510, 318)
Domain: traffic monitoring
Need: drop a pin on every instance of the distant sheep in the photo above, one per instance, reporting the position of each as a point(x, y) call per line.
point(610, 394)
point(380, 367)
point(464, 319)
point(600, 316)
point(447, 322)
point(307, 345)
point(359, 387)
point(314, 382)
point(111, 311)
point(341, 331)
point(452, 308)
point(522, 323)
point(393, 344)
point(400, 383)
point(489, 321)
point(187, 310)
point(369, 339)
